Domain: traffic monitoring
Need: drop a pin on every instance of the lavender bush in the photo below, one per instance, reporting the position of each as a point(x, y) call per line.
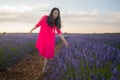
point(16, 46)
point(86, 60)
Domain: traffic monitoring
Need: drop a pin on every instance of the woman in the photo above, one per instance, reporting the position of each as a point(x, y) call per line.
point(46, 38)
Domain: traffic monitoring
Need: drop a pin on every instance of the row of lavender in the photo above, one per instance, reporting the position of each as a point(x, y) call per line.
point(86, 60)
point(16, 46)
point(112, 40)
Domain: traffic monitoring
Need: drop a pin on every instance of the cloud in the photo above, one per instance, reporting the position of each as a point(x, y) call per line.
point(92, 21)
point(31, 14)
point(115, 14)
point(95, 12)
point(14, 9)
point(74, 13)
point(22, 12)
point(93, 15)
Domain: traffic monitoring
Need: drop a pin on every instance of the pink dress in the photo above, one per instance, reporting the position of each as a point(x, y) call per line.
point(45, 43)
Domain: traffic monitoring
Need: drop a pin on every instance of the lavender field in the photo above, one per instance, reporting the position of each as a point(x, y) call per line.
point(89, 56)
point(15, 47)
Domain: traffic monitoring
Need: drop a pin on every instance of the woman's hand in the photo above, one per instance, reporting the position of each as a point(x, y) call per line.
point(64, 40)
point(66, 44)
point(32, 30)
point(30, 33)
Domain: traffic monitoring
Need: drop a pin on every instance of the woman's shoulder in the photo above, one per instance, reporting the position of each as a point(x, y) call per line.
point(44, 16)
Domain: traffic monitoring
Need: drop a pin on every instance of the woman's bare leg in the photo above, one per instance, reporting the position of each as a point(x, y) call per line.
point(44, 65)
point(50, 59)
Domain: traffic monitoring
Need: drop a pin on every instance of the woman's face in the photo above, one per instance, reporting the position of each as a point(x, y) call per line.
point(55, 14)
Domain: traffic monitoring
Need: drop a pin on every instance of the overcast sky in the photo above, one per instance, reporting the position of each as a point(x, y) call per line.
point(78, 16)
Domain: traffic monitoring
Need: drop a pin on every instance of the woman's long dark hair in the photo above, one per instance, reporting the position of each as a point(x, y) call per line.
point(57, 21)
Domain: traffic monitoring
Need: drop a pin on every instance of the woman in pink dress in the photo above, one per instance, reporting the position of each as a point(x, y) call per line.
point(45, 43)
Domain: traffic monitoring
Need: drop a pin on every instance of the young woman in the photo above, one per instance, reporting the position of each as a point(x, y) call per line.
point(46, 38)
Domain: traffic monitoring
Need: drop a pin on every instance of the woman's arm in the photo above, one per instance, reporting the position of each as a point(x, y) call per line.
point(32, 29)
point(64, 40)
point(38, 24)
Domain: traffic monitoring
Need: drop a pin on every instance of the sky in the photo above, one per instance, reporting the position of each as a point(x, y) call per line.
point(78, 16)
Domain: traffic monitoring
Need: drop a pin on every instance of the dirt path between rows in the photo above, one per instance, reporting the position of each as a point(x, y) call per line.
point(27, 69)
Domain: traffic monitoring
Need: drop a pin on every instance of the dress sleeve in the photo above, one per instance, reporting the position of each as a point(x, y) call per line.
point(58, 31)
point(40, 21)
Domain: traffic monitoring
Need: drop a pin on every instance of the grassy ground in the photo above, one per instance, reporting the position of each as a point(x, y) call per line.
point(27, 69)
